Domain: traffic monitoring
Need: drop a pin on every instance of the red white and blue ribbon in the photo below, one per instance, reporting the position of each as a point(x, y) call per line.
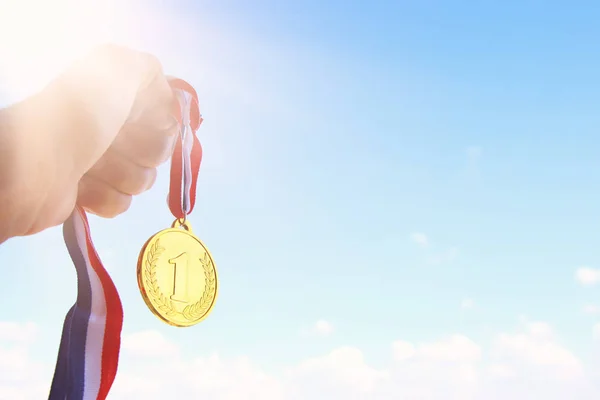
point(91, 338)
point(89, 349)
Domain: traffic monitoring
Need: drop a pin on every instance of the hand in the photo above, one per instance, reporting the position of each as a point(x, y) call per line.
point(93, 137)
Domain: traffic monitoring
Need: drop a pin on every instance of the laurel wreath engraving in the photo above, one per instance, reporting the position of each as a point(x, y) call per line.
point(190, 312)
point(198, 309)
point(163, 303)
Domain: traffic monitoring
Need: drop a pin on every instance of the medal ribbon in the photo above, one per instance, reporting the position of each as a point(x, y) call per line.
point(91, 338)
point(186, 159)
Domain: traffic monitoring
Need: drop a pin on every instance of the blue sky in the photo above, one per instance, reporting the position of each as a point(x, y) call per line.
point(335, 133)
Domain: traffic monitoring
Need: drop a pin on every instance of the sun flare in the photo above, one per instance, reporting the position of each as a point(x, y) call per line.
point(40, 37)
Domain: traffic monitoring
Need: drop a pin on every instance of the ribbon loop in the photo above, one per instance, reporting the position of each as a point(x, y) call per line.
point(187, 156)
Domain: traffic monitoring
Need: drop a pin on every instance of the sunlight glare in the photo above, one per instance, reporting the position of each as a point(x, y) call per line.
point(41, 37)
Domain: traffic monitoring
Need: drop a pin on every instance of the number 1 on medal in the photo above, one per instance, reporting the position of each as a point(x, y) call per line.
point(180, 277)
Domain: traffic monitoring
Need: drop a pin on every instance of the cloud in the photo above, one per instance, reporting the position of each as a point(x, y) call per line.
point(21, 376)
point(403, 350)
point(587, 276)
point(345, 371)
point(148, 344)
point(321, 328)
point(17, 332)
point(590, 309)
point(537, 348)
point(456, 348)
point(527, 363)
point(420, 239)
point(596, 330)
point(467, 304)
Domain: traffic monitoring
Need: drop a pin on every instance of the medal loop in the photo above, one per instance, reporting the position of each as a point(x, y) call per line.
point(182, 223)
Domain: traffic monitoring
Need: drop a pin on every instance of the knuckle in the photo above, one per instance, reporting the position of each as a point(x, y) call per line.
point(123, 174)
point(139, 180)
point(131, 181)
point(101, 199)
point(120, 206)
point(110, 205)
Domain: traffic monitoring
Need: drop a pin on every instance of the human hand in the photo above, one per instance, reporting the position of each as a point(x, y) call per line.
point(93, 137)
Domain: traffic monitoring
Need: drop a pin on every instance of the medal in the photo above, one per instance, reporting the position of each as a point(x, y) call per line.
point(176, 273)
point(177, 276)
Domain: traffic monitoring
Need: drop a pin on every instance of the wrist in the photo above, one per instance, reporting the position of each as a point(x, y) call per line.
point(33, 167)
point(15, 171)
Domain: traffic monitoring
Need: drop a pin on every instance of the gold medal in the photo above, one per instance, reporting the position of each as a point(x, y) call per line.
point(177, 276)
point(176, 273)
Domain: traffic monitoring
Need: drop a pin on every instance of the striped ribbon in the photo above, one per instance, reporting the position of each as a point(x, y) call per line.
point(88, 356)
point(91, 338)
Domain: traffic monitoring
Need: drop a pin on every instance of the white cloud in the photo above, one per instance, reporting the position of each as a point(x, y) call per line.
point(148, 344)
point(322, 328)
point(17, 332)
point(343, 368)
point(539, 329)
point(456, 348)
point(587, 276)
point(522, 365)
point(590, 309)
point(501, 371)
point(420, 239)
point(467, 304)
point(596, 330)
point(403, 350)
point(21, 376)
point(537, 347)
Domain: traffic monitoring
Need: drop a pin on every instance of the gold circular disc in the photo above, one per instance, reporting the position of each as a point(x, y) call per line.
point(177, 276)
